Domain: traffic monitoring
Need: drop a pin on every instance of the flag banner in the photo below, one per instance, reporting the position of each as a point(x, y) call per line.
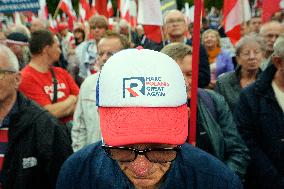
point(11, 6)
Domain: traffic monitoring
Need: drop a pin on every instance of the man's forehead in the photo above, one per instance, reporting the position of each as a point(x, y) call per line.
point(173, 14)
point(109, 44)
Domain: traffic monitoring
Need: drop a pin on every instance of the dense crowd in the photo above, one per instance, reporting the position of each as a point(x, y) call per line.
point(106, 107)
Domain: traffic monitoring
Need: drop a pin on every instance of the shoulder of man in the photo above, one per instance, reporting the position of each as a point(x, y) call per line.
point(207, 166)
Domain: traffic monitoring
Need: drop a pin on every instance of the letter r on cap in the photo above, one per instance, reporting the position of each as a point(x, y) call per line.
point(133, 87)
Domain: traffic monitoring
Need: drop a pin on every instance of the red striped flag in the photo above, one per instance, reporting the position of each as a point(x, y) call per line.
point(150, 16)
point(235, 12)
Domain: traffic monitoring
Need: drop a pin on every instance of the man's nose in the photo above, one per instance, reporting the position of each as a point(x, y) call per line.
point(141, 166)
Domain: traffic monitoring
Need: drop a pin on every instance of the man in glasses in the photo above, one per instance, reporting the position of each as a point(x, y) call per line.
point(33, 145)
point(86, 127)
point(144, 121)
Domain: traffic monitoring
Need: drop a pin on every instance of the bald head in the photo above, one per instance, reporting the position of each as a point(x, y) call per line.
point(37, 24)
point(175, 25)
point(8, 58)
point(270, 32)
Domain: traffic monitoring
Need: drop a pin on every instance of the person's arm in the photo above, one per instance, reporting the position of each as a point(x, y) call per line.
point(236, 152)
point(261, 166)
point(63, 108)
point(53, 145)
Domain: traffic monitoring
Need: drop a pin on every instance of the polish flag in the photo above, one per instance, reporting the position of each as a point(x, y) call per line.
point(150, 16)
point(43, 11)
point(66, 6)
point(52, 24)
point(125, 10)
point(84, 10)
point(235, 12)
point(269, 8)
point(110, 9)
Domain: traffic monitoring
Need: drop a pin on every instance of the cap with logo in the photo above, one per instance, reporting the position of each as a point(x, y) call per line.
point(142, 99)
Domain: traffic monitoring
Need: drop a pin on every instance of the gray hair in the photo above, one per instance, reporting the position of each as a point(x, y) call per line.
point(278, 46)
point(11, 57)
point(249, 39)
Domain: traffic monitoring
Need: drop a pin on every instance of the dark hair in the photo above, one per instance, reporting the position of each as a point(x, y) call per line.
point(80, 30)
point(40, 39)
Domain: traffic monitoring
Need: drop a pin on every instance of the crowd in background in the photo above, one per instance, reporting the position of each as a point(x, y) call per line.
point(240, 117)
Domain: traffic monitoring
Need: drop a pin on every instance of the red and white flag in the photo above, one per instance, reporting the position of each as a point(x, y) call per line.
point(150, 16)
point(269, 7)
point(67, 7)
point(124, 8)
point(110, 9)
point(52, 24)
point(43, 11)
point(235, 12)
point(101, 7)
point(84, 10)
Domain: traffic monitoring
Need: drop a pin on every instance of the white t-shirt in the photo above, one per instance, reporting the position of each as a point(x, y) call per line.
point(279, 95)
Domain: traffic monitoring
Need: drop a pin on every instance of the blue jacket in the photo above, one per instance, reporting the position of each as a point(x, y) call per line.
point(224, 62)
point(91, 168)
point(260, 121)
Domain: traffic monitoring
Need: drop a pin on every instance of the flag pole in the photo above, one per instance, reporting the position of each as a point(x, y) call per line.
point(195, 59)
point(57, 10)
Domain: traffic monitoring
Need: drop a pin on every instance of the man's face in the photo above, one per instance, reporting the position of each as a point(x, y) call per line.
point(9, 80)
point(17, 50)
point(143, 173)
point(106, 48)
point(270, 34)
point(185, 65)
point(255, 24)
point(54, 51)
point(97, 31)
point(175, 25)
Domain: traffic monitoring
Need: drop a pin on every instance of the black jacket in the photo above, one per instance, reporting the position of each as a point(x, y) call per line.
point(38, 146)
point(260, 121)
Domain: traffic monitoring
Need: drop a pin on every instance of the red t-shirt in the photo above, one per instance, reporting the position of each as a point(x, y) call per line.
point(39, 87)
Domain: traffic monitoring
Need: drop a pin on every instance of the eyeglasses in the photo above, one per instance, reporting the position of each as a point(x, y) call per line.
point(109, 54)
point(3, 72)
point(175, 21)
point(155, 155)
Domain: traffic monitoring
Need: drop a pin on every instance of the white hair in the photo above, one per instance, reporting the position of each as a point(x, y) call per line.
point(278, 46)
point(11, 57)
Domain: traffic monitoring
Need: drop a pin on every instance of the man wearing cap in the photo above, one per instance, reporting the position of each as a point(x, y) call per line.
point(144, 121)
point(17, 41)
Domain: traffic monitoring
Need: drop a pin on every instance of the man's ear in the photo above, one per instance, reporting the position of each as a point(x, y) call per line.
point(18, 79)
point(276, 61)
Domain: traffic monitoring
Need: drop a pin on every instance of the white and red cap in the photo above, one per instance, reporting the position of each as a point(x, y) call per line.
point(142, 99)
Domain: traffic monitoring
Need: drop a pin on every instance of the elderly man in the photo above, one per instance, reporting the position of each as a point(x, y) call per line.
point(269, 31)
point(51, 87)
point(33, 145)
point(216, 131)
point(144, 122)
point(259, 117)
point(86, 128)
point(175, 28)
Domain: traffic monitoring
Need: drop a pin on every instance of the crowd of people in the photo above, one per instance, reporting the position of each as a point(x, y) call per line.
point(106, 107)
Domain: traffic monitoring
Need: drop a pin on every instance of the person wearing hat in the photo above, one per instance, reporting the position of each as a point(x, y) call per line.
point(144, 122)
point(17, 42)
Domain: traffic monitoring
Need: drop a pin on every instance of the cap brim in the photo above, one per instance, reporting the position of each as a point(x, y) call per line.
point(138, 125)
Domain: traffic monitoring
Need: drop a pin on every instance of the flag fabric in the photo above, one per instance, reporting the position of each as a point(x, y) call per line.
point(235, 12)
point(110, 9)
point(269, 8)
point(52, 24)
point(66, 6)
point(101, 7)
point(150, 16)
point(17, 19)
point(124, 7)
point(43, 11)
point(84, 10)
